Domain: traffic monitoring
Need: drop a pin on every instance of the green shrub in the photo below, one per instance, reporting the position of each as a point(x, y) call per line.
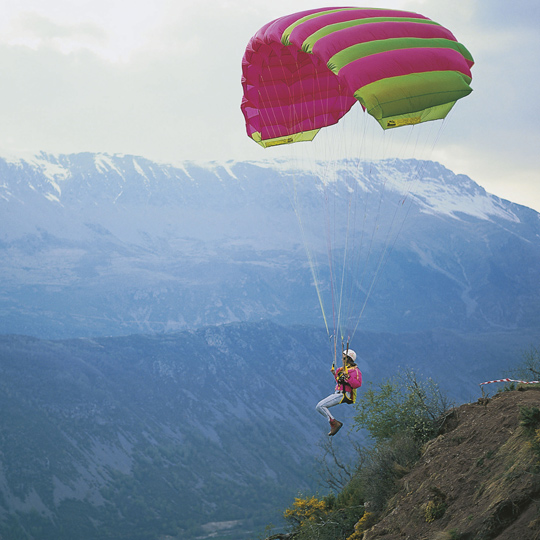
point(402, 404)
point(387, 463)
point(529, 417)
point(435, 510)
point(436, 507)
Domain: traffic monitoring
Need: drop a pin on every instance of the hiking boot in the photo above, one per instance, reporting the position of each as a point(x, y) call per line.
point(335, 426)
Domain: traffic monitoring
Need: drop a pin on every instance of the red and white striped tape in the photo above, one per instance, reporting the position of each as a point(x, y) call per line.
point(510, 380)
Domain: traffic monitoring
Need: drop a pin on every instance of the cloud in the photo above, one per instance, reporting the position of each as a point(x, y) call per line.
point(110, 29)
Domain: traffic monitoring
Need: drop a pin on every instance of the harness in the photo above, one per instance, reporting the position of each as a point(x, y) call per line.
point(349, 395)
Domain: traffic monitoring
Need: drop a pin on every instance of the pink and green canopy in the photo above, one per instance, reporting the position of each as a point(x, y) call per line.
point(304, 71)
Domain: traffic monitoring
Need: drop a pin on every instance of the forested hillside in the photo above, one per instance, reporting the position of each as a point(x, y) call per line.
point(140, 436)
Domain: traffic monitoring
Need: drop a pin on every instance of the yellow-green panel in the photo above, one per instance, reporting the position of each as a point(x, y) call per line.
point(286, 139)
point(418, 97)
point(432, 113)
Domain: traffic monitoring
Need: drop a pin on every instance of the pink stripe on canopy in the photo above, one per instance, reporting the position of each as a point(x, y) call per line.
point(329, 45)
point(401, 62)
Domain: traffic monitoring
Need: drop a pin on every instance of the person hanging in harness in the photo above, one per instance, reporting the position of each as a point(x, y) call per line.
point(348, 379)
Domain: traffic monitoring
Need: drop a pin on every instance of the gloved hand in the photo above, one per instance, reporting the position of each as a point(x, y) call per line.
point(342, 379)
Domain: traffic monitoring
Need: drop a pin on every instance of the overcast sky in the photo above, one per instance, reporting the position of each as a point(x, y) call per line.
point(161, 79)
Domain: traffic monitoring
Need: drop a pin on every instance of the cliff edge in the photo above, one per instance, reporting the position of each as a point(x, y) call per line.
point(478, 480)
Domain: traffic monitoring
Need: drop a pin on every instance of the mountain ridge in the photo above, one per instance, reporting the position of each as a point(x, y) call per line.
point(57, 170)
point(94, 244)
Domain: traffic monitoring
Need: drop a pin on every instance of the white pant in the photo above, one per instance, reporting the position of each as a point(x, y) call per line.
point(330, 401)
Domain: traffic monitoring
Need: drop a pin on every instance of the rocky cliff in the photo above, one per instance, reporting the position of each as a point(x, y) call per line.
point(478, 480)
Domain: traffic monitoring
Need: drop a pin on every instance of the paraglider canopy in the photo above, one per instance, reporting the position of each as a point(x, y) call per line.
point(304, 71)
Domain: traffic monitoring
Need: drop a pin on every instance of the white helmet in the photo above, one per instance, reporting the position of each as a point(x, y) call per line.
point(351, 354)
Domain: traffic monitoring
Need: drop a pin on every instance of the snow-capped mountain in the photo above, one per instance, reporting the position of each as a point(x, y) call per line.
point(93, 244)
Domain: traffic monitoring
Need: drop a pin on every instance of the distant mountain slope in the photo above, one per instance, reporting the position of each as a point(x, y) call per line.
point(92, 244)
point(478, 480)
point(139, 437)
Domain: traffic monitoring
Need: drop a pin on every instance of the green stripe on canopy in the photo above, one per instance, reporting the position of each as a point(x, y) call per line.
point(361, 50)
point(287, 32)
point(310, 41)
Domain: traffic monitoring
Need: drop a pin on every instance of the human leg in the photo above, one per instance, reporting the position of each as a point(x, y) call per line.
point(330, 401)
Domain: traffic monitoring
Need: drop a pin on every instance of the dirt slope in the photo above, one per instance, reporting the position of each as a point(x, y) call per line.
point(479, 480)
